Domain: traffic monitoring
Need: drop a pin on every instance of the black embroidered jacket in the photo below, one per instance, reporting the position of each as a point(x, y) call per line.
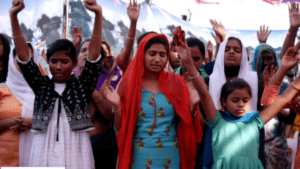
point(75, 97)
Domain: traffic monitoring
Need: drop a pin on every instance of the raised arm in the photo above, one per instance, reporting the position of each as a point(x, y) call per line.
point(77, 37)
point(289, 60)
point(95, 45)
point(294, 17)
point(199, 83)
point(210, 50)
point(287, 95)
point(263, 34)
point(19, 40)
point(220, 34)
point(133, 12)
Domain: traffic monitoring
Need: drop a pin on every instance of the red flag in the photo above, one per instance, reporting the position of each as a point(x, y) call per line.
point(203, 2)
point(268, 1)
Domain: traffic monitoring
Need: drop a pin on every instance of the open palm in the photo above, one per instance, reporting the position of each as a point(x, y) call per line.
point(133, 11)
point(110, 94)
point(294, 14)
point(290, 58)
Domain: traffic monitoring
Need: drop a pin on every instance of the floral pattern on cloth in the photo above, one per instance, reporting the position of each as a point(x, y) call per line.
point(155, 141)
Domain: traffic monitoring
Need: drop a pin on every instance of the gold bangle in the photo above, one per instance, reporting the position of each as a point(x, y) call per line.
point(275, 80)
point(17, 36)
point(191, 78)
point(292, 85)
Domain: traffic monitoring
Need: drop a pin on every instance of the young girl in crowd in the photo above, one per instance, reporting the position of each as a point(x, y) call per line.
point(153, 113)
point(232, 62)
point(61, 118)
point(234, 138)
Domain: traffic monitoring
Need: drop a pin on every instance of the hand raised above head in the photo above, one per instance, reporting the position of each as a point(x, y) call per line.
point(133, 10)
point(263, 34)
point(77, 36)
point(219, 29)
point(17, 6)
point(268, 74)
point(290, 58)
point(92, 5)
point(210, 47)
point(294, 14)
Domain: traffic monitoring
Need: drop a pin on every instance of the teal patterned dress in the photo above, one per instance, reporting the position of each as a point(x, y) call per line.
point(155, 142)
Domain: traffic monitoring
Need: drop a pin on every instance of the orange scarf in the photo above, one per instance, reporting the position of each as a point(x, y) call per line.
point(175, 89)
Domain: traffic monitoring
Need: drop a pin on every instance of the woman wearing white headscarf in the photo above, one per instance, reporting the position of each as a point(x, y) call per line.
point(232, 62)
point(24, 94)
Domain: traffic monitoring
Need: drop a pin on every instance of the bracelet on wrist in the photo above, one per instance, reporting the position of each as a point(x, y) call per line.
point(130, 38)
point(275, 81)
point(191, 78)
point(17, 36)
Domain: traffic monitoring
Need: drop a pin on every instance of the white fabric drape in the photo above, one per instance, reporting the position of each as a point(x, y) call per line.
point(24, 94)
point(217, 79)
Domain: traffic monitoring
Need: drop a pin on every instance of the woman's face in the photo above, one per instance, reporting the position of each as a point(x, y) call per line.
point(174, 58)
point(237, 102)
point(84, 51)
point(109, 60)
point(61, 66)
point(233, 54)
point(156, 58)
point(267, 60)
point(197, 57)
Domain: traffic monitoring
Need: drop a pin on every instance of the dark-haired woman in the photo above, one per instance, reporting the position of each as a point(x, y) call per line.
point(153, 112)
point(10, 112)
point(61, 117)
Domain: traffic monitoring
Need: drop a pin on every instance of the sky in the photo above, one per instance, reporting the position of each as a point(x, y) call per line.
point(241, 18)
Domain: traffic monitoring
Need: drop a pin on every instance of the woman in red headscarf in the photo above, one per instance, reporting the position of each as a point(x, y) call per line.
point(153, 112)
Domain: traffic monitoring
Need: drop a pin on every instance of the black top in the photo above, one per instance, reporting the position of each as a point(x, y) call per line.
point(75, 97)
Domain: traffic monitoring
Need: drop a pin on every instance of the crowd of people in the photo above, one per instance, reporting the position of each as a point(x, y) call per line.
point(177, 104)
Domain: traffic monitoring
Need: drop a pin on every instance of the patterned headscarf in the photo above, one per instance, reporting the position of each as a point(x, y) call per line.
point(174, 88)
point(257, 59)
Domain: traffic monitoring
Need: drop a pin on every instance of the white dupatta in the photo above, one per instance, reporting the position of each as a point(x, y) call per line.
point(217, 79)
point(24, 94)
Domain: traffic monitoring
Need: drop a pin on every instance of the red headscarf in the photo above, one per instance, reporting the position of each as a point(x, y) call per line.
point(174, 88)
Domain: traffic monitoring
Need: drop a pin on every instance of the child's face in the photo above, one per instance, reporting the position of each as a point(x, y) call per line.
point(237, 102)
point(61, 66)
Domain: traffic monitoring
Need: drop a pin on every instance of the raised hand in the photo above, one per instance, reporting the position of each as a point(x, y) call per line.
point(294, 14)
point(77, 37)
point(182, 48)
point(290, 59)
point(210, 47)
point(268, 74)
point(92, 5)
point(179, 36)
point(262, 34)
point(110, 94)
point(17, 6)
point(133, 10)
point(219, 29)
